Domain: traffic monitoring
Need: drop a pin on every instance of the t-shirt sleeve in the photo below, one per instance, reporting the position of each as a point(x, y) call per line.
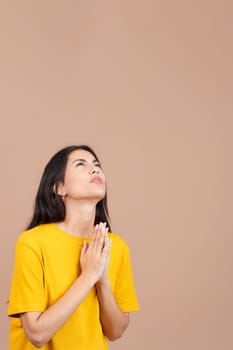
point(27, 288)
point(125, 293)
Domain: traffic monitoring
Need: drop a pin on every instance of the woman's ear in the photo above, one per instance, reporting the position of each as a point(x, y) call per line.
point(59, 189)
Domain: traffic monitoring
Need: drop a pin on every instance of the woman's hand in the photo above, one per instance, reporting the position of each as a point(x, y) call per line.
point(104, 277)
point(95, 255)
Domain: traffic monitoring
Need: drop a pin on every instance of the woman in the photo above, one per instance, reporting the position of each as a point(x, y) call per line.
point(72, 285)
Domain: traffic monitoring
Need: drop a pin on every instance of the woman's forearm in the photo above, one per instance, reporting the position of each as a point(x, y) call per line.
point(40, 327)
point(114, 321)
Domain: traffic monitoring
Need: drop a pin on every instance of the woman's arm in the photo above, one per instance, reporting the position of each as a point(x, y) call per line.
point(114, 321)
point(40, 327)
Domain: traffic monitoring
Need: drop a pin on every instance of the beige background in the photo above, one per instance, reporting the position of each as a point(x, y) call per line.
point(148, 84)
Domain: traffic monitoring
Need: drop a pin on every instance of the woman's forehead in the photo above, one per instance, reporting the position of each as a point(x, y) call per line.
point(80, 154)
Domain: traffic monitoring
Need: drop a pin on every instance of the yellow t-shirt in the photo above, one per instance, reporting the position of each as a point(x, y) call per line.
point(46, 265)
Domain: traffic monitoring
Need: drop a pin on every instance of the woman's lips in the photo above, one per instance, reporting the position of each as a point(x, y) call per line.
point(96, 180)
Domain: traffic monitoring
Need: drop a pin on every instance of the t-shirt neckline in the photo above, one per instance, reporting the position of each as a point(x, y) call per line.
point(67, 234)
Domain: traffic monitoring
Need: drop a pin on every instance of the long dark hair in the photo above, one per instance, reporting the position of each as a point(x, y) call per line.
point(49, 206)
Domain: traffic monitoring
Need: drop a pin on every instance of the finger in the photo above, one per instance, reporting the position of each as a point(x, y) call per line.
point(100, 236)
point(107, 246)
point(98, 229)
point(94, 236)
point(101, 227)
point(95, 230)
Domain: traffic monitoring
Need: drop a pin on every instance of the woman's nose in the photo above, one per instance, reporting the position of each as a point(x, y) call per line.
point(94, 170)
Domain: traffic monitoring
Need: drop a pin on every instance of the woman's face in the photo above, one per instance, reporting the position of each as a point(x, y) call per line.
point(84, 178)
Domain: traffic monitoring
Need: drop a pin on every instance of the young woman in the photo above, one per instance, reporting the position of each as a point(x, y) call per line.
point(72, 285)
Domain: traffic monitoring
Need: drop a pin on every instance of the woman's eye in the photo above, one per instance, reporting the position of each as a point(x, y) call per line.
point(98, 164)
point(80, 163)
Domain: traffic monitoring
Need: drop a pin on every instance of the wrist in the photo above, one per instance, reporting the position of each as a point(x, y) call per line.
point(87, 279)
point(103, 282)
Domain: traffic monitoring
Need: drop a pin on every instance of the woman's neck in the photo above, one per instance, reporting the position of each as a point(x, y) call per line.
point(79, 220)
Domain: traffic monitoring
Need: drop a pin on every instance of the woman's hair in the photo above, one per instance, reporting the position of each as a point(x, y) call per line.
point(49, 206)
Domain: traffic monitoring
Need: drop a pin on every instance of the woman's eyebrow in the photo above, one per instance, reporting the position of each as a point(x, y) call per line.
point(84, 160)
point(79, 160)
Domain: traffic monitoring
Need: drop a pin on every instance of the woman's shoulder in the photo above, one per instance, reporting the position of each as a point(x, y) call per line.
point(118, 240)
point(32, 235)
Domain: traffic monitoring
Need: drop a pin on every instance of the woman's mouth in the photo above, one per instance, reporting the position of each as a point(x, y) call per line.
point(96, 180)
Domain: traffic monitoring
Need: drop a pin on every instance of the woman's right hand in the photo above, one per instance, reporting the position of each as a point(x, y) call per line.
point(94, 255)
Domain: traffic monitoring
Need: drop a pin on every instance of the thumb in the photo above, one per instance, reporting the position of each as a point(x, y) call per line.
point(84, 248)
